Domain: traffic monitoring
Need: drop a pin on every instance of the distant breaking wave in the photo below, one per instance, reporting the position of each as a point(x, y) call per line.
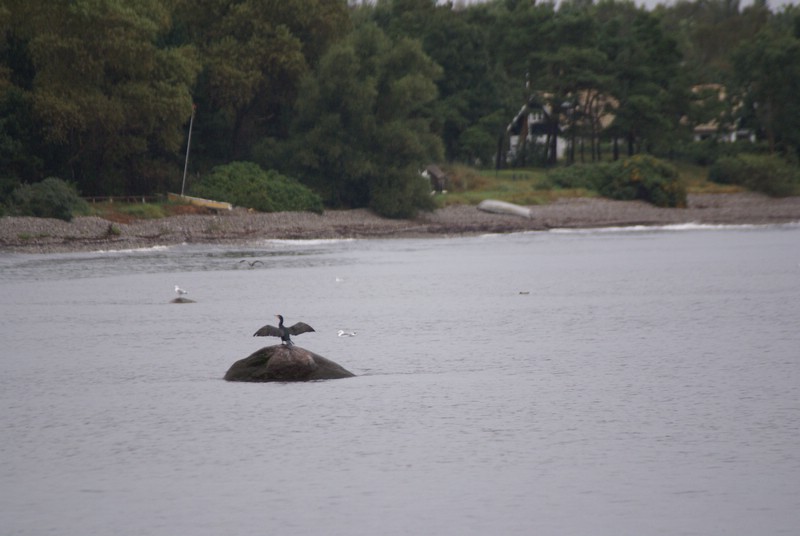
point(674, 227)
point(308, 242)
point(144, 249)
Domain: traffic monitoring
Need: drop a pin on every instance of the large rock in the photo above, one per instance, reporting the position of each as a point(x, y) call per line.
point(282, 363)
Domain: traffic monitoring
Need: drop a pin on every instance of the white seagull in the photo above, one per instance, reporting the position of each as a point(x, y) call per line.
point(343, 333)
point(179, 291)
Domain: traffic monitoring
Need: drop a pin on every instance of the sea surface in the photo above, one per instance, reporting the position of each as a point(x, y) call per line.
point(611, 382)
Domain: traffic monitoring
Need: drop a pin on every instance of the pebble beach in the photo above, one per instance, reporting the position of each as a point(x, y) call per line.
point(90, 233)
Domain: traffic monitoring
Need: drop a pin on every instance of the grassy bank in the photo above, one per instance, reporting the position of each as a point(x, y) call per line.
point(469, 186)
point(127, 212)
point(529, 186)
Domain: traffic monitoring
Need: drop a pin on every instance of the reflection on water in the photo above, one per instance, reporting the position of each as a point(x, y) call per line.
point(539, 383)
point(285, 253)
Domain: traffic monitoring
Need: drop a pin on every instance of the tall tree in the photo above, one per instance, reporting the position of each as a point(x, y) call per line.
point(458, 40)
point(254, 54)
point(566, 70)
point(707, 30)
point(363, 129)
point(644, 65)
point(767, 71)
point(104, 93)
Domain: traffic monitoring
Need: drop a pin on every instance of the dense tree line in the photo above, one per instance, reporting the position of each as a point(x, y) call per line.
point(353, 98)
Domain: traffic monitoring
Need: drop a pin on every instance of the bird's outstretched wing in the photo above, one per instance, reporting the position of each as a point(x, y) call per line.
point(267, 331)
point(300, 327)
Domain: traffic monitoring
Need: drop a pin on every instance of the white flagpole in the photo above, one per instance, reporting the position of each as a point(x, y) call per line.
point(188, 144)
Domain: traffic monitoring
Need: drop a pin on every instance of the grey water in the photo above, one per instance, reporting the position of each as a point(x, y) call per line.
point(605, 382)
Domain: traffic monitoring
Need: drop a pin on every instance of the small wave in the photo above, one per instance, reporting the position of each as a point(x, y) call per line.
point(308, 242)
point(674, 227)
point(146, 249)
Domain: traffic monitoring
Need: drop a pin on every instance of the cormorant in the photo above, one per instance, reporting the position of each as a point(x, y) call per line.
point(282, 331)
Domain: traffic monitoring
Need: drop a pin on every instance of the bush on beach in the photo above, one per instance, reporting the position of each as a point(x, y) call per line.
point(246, 184)
point(648, 179)
point(586, 176)
point(400, 195)
point(51, 198)
point(769, 174)
point(639, 177)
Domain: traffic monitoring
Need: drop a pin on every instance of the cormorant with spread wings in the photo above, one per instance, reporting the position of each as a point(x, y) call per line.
point(282, 331)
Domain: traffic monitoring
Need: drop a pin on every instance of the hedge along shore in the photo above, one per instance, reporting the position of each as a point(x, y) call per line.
point(44, 235)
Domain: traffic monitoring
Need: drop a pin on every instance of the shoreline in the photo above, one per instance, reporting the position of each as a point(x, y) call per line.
point(91, 233)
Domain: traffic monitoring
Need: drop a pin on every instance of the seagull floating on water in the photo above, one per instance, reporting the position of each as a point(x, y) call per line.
point(282, 331)
point(343, 333)
point(179, 291)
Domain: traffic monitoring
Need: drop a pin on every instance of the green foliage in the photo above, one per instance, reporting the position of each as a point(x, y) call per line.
point(586, 176)
point(7, 187)
point(362, 124)
point(768, 174)
point(706, 152)
point(349, 96)
point(108, 101)
point(142, 211)
point(473, 87)
point(245, 184)
point(18, 145)
point(400, 195)
point(767, 70)
point(638, 177)
point(646, 178)
point(254, 53)
point(51, 198)
point(708, 30)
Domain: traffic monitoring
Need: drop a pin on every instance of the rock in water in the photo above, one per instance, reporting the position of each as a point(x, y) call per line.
point(281, 363)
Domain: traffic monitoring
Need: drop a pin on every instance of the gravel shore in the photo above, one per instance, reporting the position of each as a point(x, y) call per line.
point(40, 235)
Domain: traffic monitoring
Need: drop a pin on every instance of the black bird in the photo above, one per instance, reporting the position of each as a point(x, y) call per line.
point(251, 263)
point(282, 331)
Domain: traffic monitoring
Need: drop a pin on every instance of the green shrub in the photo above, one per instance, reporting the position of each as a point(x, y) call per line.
point(647, 178)
point(400, 195)
point(727, 170)
point(7, 187)
point(638, 177)
point(245, 184)
point(701, 153)
point(51, 198)
point(768, 174)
